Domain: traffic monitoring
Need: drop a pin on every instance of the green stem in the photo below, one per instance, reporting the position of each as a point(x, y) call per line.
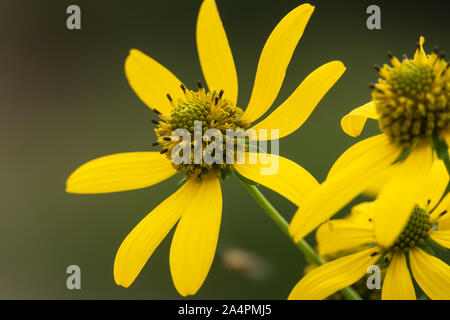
point(304, 247)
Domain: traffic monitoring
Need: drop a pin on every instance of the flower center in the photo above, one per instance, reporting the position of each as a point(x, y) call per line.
point(184, 115)
point(412, 79)
point(415, 232)
point(196, 113)
point(412, 98)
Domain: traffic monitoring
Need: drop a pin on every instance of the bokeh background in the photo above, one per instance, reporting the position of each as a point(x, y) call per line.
point(65, 100)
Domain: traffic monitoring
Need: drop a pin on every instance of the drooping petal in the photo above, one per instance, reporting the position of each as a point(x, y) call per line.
point(435, 184)
point(120, 172)
point(355, 152)
point(292, 113)
point(420, 54)
point(333, 276)
point(397, 284)
point(195, 239)
point(396, 201)
point(274, 60)
point(214, 52)
point(151, 81)
point(353, 122)
point(431, 273)
point(341, 234)
point(281, 175)
point(382, 178)
point(142, 241)
point(342, 187)
point(442, 237)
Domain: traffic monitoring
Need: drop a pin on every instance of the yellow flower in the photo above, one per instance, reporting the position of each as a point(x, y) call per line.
point(198, 203)
point(429, 219)
point(411, 102)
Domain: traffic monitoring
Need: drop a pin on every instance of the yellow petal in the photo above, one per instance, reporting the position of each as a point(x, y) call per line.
point(289, 179)
point(195, 239)
point(353, 122)
point(214, 52)
point(444, 221)
point(435, 184)
point(342, 187)
point(397, 284)
point(140, 243)
point(441, 213)
point(431, 273)
point(333, 276)
point(342, 234)
point(396, 201)
point(355, 152)
point(420, 54)
point(442, 237)
point(382, 178)
point(446, 136)
point(274, 60)
point(362, 214)
point(292, 113)
point(151, 81)
point(120, 172)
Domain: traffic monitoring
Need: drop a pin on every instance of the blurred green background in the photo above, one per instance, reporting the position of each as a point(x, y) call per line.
point(65, 100)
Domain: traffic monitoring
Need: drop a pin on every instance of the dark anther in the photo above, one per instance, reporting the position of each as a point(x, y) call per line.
point(169, 97)
point(216, 100)
point(377, 67)
point(373, 254)
point(442, 56)
point(371, 85)
point(167, 139)
point(386, 259)
point(428, 202)
point(405, 57)
point(155, 121)
point(163, 151)
point(199, 84)
point(155, 143)
point(436, 49)
point(156, 111)
point(390, 55)
point(220, 94)
point(370, 220)
point(442, 213)
point(183, 88)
